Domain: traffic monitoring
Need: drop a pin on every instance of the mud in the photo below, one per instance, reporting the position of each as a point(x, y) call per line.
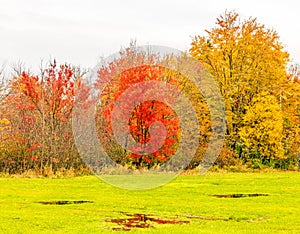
point(63, 202)
point(239, 195)
point(141, 221)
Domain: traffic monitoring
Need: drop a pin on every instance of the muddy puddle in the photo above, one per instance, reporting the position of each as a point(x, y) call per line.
point(63, 202)
point(141, 221)
point(239, 195)
point(151, 221)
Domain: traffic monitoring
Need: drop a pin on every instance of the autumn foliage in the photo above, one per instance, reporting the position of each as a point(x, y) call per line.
point(262, 109)
point(141, 117)
point(36, 121)
point(248, 61)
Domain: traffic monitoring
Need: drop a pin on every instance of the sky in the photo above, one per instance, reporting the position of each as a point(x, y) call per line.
point(81, 31)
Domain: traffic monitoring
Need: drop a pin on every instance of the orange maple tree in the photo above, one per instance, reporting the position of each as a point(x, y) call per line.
point(142, 115)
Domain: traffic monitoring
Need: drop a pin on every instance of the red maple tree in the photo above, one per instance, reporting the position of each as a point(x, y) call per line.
point(118, 80)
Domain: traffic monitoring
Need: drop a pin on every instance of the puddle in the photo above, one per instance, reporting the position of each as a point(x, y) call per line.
point(206, 217)
point(237, 219)
point(141, 221)
point(239, 195)
point(63, 202)
point(149, 221)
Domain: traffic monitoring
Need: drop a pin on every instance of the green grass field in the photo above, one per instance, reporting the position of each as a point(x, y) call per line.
point(186, 198)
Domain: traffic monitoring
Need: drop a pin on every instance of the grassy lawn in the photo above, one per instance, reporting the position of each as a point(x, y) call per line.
point(186, 198)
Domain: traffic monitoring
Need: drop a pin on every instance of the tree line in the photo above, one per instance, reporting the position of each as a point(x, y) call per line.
point(247, 60)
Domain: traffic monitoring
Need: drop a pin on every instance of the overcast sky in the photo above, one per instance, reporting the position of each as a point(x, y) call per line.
point(80, 31)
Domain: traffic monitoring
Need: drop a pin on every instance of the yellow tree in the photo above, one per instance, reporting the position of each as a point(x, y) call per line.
point(290, 104)
point(245, 58)
point(262, 132)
